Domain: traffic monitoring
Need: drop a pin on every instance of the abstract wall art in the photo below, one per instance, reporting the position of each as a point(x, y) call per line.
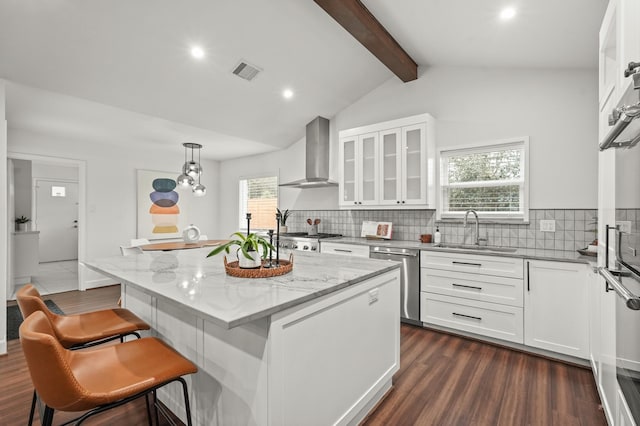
point(162, 211)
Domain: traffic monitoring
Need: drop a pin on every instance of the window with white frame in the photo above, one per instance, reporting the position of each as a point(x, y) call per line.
point(258, 196)
point(490, 178)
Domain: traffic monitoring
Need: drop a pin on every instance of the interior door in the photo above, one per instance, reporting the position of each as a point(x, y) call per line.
point(57, 219)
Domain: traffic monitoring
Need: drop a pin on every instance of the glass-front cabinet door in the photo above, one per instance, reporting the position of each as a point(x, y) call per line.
point(367, 171)
point(390, 166)
point(414, 165)
point(348, 187)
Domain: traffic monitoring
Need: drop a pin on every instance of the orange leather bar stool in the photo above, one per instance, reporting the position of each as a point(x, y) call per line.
point(100, 378)
point(82, 330)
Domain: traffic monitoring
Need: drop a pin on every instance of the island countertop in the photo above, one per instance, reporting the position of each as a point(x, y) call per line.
point(201, 284)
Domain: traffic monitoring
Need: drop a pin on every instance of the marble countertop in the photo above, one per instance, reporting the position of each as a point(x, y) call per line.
point(537, 254)
point(189, 278)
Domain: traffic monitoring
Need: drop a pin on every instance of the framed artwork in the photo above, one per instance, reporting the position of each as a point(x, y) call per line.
point(163, 209)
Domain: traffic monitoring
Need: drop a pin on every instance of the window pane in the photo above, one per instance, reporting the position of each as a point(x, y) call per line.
point(487, 199)
point(259, 196)
point(485, 166)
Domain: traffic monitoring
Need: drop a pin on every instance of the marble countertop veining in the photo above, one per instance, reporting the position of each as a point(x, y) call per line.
point(201, 284)
point(525, 253)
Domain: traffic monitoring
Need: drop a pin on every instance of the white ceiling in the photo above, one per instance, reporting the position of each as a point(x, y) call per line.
point(129, 62)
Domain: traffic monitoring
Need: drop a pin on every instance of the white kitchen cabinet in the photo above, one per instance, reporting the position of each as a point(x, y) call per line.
point(359, 181)
point(619, 45)
point(595, 285)
point(25, 255)
point(472, 293)
point(476, 264)
point(398, 171)
point(628, 39)
point(344, 249)
point(555, 307)
point(403, 165)
point(486, 319)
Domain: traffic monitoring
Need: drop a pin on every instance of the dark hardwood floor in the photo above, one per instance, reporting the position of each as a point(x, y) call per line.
point(443, 380)
point(449, 380)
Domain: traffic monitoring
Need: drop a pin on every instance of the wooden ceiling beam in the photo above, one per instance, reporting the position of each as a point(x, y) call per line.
point(361, 24)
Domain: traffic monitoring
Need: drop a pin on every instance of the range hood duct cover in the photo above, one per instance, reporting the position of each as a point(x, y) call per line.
point(317, 157)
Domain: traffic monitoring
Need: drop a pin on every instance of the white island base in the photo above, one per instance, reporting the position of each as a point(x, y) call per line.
point(326, 361)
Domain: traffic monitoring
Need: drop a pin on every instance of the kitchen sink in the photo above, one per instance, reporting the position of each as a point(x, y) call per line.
point(479, 248)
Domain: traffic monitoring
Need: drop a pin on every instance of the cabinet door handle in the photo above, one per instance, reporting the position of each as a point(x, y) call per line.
point(455, 262)
point(466, 316)
point(528, 286)
point(466, 286)
point(343, 250)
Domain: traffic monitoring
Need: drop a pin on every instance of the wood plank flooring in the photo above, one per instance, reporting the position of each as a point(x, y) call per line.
point(443, 380)
point(449, 380)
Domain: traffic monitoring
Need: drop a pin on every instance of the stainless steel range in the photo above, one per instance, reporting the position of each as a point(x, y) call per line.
point(303, 241)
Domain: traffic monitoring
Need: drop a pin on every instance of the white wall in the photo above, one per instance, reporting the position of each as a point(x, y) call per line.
point(22, 187)
point(111, 185)
point(289, 165)
point(557, 109)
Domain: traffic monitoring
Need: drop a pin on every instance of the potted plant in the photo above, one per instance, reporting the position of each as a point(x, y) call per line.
point(284, 215)
point(21, 223)
point(250, 246)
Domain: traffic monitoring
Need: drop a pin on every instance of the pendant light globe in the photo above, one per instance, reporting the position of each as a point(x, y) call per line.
point(185, 181)
point(199, 190)
point(192, 169)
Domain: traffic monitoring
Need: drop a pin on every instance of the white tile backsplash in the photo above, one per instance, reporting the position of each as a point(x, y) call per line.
point(574, 227)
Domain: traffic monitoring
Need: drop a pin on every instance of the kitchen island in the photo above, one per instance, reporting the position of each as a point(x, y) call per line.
point(316, 346)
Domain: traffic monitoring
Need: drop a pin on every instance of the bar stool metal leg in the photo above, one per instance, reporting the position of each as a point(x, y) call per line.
point(33, 407)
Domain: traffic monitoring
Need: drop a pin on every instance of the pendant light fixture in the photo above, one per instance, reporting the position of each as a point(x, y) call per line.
point(191, 170)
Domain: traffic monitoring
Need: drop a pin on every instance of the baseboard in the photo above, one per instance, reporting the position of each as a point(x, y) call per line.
point(102, 282)
point(3, 346)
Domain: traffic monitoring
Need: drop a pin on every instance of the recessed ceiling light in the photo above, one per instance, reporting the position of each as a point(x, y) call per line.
point(287, 94)
point(507, 13)
point(197, 52)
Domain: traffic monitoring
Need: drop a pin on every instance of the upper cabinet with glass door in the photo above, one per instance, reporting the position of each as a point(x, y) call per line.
point(389, 164)
point(619, 46)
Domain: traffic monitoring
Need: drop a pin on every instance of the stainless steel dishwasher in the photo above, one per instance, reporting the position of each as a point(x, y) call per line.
point(409, 279)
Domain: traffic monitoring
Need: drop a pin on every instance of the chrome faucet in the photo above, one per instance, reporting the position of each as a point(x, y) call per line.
point(477, 225)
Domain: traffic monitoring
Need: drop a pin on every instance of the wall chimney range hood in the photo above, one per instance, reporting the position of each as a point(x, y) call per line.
point(317, 157)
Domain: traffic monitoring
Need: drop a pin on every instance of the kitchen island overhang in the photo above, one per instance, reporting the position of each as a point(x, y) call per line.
point(317, 346)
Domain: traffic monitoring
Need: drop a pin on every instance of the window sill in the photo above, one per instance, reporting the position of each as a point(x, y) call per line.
point(484, 221)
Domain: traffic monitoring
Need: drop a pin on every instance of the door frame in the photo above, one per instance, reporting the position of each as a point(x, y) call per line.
point(82, 203)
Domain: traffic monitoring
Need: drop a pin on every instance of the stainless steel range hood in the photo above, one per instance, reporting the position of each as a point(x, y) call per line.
point(317, 157)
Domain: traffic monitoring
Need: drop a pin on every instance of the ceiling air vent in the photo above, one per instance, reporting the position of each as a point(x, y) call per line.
point(246, 71)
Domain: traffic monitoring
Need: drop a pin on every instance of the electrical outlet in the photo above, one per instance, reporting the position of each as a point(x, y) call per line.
point(548, 225)
point(625, 226)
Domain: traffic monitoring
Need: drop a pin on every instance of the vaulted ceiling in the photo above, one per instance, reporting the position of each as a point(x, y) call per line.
point(129, 61)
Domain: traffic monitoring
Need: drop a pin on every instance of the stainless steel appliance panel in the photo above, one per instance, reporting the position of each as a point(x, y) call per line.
point(409, 279)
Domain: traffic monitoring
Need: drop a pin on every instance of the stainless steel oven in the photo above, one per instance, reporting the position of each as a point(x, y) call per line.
point(622, 258)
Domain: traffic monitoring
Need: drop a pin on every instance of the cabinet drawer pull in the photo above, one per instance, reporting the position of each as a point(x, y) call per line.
point(455, 262)
point(466, 286)
point(343, 250)
point(466, 316)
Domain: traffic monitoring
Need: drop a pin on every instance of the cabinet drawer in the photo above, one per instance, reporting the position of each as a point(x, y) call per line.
point(508, 291)
point(344, 249)
point(510, 267)
point(487, 319)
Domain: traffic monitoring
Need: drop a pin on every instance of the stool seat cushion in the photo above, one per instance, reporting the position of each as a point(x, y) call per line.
point(78, 329)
